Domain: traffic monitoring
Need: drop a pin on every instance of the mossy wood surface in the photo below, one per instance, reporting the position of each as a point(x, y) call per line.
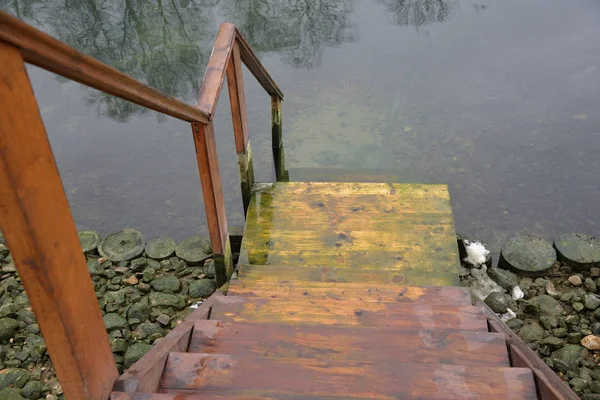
point(350, 231)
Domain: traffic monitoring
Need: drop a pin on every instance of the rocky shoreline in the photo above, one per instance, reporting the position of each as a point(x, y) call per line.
point(144, 290)
point(553, 305)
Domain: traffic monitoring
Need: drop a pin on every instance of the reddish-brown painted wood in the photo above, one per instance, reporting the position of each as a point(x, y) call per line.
point(214, 203)
point(46, 52)
point(237, 100)
point(355, 344)
point(256, 68)
point(365, 292)
point(349, 313)
point(212, 82)
point(144, 375)
point(549, 385)
point(224, 395)
point(215, 372)
point(37, 222)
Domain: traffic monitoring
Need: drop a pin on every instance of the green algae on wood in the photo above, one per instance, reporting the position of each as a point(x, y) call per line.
point(123, 245)
point(579, 250)
point(527, 254)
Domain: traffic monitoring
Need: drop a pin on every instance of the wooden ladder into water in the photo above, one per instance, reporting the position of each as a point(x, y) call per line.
point(345, 290)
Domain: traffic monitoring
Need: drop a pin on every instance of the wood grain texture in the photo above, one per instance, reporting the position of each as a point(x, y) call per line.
point(215, 72)
point(401, 227)
point(237, 100)
point(256, 68)
point(215, 372)
point(40, 231)
point(274, 273)
point(144, 375)
point(349, 313)
point(46, 52)
point(225, 395)
point(365, 292)
point(214, 202)
point(355, 344)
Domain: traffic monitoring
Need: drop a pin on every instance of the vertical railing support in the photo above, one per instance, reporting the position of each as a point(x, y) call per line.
point(41, 234)
point(214, 202)
point(277, 142)
point(237, 99)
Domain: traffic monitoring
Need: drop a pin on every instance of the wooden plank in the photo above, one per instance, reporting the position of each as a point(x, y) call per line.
point(239, 118)
point(203, 373)
point(224, 395)
point(256, 68)
point(46, 52)
point(320, 174)
point(550, 386)
point(214, 203)
point(348, 225)
point(365, 292)
point(349, 313)
point(38, 226)
point(144, 375)
point(214, 75)
point(369, 274)
point(354, 344)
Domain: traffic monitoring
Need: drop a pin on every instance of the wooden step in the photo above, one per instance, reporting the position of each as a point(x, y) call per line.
point(339, 344)
point(206, 373)
point(349, 313)
point(334, 274)
point(407, 228)
point(365, 292)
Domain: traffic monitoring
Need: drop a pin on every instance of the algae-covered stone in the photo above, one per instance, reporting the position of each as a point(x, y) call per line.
point(531, 331)
point(527, 254)
point(114, 321)
point(89, 240)
point(568, 357)
point(166, 300)
point(139, 311)
point(123, 245)
point(134, 353)
point(14, 377)
point(548, 305)
point(194, 250)
point(502, 277)
point(591, 301)
point(202, 288)
point(498, 302)
point(9, 393)
point(8, 327)
point(166, 283)
point(32, 390)
point(160, 248)
point(578, 250)
point(209, 269)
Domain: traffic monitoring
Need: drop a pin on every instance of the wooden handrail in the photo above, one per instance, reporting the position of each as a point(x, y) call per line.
point(44, 51)
point(217, 67)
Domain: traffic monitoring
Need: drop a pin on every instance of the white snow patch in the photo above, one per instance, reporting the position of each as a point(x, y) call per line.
point(196, 305)
point(517, 293)
point(510, 314)
point(476, 253)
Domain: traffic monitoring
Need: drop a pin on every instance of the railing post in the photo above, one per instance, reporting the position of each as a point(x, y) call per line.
point(214, 202)
point(277, 142)
point(237, 99)
point(39, 228)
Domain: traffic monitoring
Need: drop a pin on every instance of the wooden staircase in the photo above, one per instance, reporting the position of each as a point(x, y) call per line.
point(329, 304)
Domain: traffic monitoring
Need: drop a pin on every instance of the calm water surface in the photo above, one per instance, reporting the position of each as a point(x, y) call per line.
point(499, 99)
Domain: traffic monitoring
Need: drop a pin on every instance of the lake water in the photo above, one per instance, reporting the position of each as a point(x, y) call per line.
point(498, 99)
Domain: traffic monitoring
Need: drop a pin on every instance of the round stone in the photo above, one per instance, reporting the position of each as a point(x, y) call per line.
point(89, 240)
point(578, 250)
point(527, 254)
point(194, 250)
point(161, 248)
point(123, 245)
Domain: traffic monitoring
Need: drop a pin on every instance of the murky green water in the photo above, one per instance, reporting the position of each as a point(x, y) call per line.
point(499, 99)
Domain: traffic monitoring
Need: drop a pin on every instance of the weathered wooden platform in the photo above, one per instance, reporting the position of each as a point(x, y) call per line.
point(353, 232)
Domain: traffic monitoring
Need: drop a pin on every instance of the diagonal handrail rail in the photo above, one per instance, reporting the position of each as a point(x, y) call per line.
point(34, 212)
